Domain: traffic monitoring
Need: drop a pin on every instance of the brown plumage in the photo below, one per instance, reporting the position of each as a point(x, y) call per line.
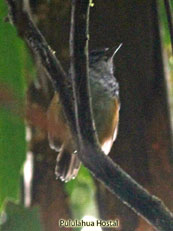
point(105, 101)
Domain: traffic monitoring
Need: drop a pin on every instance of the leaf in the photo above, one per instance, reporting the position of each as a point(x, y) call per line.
point(164, 22)
point(18, 218)
point(81, 192)
point(12, 130)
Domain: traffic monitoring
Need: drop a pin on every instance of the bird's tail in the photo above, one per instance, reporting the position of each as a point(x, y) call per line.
point(67, 166)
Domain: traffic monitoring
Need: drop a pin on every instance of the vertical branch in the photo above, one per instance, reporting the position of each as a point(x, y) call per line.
point(80, 71)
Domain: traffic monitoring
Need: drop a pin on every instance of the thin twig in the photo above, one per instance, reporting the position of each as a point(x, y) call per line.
point(170, 20)
point(114, 178)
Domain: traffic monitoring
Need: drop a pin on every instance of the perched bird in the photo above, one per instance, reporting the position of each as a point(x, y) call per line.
point(105, 102)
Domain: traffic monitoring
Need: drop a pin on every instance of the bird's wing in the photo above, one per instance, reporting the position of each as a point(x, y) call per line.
point(56, 125)
point(111, 129)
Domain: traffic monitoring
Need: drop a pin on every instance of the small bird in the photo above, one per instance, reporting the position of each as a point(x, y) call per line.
point(105, 103)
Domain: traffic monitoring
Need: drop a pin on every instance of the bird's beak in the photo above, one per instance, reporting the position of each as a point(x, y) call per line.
point(111, 52)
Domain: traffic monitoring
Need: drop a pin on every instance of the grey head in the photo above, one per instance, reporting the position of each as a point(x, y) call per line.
point(102, 70)
point(105, 54)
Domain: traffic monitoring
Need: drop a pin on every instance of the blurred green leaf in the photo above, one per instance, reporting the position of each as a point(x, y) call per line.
point(12, 131)
point(12, 52)
point(164, 23)
point(18, 218)
point(82, 195)
point(168, 57)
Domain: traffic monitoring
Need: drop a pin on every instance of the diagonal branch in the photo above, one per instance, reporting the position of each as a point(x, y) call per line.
point(35, 40)
point(109, 173)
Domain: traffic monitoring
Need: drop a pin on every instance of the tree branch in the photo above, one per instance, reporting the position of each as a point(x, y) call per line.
point(109, 173)
point(35, 40)
point(79, 70)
